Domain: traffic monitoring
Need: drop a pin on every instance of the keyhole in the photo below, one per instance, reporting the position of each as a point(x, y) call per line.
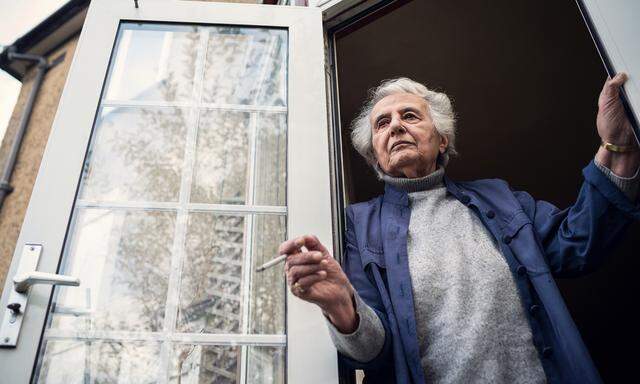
point(15, 308)
point(15, 311)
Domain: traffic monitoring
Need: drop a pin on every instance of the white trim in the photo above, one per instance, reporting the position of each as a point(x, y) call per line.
point(191, 207)
point(311, 356)
point(335, 12)
point(184, 104)
point(46, 45)
point(332, 8)
point(230, 208)
point(184, 338)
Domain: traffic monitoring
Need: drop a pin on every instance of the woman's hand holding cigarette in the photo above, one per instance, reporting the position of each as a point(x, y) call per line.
point(315, 276)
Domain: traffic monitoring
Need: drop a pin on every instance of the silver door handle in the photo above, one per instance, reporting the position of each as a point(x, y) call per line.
point(22, 283)
point(25, 276)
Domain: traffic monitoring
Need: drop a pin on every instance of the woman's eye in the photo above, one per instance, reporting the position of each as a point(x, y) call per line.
point(410, 116)
point(383, 123)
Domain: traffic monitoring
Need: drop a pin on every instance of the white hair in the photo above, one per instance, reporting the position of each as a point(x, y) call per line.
point(439, 107)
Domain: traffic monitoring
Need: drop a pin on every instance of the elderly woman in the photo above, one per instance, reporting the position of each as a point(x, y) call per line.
point(450, 282)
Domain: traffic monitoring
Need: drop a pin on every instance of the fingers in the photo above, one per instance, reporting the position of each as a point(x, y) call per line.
point(311, 242)
point(304, 258)
point(298, 272)
point(618, 79)
point(612, 86)
point(306, 282)
point(291, 246)
point(302, 288)
point(302, 266)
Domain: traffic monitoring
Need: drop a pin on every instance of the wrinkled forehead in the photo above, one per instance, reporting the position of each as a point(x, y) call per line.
point(397, 102)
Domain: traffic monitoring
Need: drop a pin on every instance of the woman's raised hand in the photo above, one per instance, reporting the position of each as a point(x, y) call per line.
point(315, 276)
point(615, 127)
point(613, 124)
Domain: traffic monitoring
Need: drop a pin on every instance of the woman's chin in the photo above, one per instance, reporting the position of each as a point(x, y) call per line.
point(402, 160)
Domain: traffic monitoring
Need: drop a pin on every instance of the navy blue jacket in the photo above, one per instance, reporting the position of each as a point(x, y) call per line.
point(538, 240)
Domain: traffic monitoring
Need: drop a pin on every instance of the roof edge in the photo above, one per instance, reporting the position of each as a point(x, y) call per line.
point(40, 32)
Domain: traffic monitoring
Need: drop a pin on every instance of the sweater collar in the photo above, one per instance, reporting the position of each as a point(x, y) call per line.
point(417, 184)
point(395, 195)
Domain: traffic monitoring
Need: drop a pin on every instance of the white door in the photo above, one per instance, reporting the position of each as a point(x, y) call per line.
point(190, 140)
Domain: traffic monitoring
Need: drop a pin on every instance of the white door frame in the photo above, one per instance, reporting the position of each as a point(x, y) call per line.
point(614, 31)
point(311, 357)
point(335, 12)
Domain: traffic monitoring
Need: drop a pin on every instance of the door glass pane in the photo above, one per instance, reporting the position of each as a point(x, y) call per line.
point(271, 159)
point(181, 197)
point(266, 365)
point(211, 286)
point(267, 287)
point(206, 364)
point(76, 361)
point(215, 275)
point(222, 158)
point(221, 364)
point(246, 66)
point(154, 62)
point(137, 155)
point(124, 281)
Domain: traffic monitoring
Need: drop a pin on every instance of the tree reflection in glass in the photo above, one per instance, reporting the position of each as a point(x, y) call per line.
point(99, 362)
point(137, 155)
point(267, 287)
point(271, 159)
point(246, 66)
point(124, 282)
point(211, 284)
point(154, 62)
point(222, 155)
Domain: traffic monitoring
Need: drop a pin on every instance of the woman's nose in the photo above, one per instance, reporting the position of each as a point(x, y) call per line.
point(397, 127)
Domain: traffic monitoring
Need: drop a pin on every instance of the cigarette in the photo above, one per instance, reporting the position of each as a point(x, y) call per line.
point(271, 263)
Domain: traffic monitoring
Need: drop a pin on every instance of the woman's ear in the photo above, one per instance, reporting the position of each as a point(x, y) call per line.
point(444, 143)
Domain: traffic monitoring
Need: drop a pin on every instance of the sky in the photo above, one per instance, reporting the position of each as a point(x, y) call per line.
point(18, 17)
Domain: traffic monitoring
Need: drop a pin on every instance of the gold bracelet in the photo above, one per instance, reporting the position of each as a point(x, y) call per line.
point(618, 148)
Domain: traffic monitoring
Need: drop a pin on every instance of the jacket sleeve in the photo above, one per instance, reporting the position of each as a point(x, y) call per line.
point(352, 265)
point(365, 343)
point(577, 239)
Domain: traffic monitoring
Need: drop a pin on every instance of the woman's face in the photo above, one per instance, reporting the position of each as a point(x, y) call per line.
point(405, 140)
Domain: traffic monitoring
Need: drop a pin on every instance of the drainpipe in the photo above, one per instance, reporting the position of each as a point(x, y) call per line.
point(42, 67)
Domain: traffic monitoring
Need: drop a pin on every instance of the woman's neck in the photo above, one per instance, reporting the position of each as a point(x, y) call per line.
point(416, 184)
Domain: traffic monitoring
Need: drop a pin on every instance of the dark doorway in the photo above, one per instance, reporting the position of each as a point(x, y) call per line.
point(524, 77)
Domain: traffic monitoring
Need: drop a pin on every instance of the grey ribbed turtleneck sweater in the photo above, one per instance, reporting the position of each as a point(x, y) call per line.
point(470, 320)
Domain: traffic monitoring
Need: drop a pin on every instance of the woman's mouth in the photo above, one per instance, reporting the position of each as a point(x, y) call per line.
point(400, 145)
